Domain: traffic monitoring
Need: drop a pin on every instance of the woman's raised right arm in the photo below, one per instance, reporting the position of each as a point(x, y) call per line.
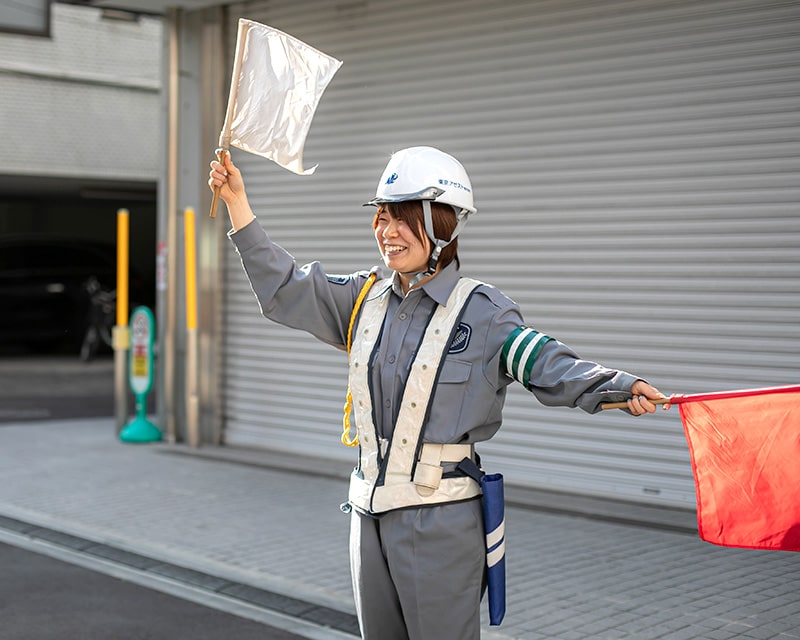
point(305, 297)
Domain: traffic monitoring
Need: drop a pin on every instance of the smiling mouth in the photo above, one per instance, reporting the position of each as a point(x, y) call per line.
point(392, 249)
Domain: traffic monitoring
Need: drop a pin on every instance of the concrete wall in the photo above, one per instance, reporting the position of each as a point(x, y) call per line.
point(84, 102)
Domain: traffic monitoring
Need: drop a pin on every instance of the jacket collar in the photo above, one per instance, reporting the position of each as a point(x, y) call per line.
point(438, 288)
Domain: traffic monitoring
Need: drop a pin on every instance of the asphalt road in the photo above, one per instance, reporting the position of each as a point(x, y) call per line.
point(43, 598)
point(57, 386)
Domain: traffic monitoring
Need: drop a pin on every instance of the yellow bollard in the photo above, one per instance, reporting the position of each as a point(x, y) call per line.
point(121, 332)
point(191, 269)
point(123, 242)
point(192, 400)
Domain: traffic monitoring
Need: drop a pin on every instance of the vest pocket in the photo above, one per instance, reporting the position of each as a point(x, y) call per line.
point(448, 401)
point(455, 371)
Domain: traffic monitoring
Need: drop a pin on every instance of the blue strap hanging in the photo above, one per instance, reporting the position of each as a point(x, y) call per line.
point(493, 503)
point(494, 523)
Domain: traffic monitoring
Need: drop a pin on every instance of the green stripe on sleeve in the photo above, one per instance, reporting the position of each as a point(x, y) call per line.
point(510, 340)
point(531, 358)
point(520, 350)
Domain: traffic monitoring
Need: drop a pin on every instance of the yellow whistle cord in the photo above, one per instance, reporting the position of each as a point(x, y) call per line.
point(348, 405)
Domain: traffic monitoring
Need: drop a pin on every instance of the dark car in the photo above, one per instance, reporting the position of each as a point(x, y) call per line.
point(44, 298)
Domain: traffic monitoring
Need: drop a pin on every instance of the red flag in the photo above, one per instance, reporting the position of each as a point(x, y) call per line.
point(745, 449)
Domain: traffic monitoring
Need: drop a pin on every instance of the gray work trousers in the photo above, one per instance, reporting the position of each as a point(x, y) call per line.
point(418, 573)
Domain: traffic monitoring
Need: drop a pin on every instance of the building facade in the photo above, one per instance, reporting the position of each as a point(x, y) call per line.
point(81, 113)
point(636, 171)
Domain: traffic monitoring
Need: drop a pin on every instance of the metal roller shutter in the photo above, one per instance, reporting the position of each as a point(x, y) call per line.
point(636, 171)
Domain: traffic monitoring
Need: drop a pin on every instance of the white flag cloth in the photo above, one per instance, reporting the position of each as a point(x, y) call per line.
point(276, 85)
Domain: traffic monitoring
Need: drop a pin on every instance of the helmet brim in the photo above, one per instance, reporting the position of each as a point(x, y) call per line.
point(429, 193)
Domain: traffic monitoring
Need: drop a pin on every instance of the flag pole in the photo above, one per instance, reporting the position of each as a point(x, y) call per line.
point(678, 398)
point(220, 152)
point(225, 133)
point(674, 399)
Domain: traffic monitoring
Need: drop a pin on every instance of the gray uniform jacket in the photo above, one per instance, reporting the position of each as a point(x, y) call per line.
point(470, 391)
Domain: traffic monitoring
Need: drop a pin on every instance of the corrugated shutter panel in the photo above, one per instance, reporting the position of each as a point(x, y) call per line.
point(636, 173)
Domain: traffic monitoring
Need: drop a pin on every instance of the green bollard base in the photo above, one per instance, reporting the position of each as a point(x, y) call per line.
point(140, 430)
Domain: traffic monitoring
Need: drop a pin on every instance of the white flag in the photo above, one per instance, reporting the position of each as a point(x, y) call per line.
point(276, 85)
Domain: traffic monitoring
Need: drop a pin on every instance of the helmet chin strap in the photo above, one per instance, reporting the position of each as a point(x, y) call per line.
point(438, 243)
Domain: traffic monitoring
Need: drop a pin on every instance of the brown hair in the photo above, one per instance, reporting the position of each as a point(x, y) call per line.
point(444, 222)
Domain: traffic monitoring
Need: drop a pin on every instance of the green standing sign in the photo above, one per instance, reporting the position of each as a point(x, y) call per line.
point(140, 376)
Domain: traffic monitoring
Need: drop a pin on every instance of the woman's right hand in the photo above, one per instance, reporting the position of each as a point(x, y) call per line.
point(228, 179)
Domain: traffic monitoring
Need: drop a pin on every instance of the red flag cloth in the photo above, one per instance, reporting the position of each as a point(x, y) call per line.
point(745, 449)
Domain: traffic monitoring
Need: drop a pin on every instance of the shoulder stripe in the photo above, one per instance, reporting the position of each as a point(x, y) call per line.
point(520, 351)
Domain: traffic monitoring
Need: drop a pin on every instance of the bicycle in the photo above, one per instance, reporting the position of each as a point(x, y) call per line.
point(102, 308)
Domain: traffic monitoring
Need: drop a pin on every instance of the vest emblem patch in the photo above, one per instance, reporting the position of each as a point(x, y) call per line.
point(334, 279)
point(461, 339)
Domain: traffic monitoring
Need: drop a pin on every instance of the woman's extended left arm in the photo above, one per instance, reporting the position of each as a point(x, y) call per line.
point(557, 376)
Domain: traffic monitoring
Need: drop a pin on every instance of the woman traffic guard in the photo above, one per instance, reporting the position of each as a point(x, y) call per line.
point(431, 354)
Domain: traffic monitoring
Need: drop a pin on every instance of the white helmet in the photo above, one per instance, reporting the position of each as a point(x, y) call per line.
point(428, 175)
point(425, 173)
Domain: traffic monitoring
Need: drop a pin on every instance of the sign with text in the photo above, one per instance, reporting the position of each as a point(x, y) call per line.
point(141, 355)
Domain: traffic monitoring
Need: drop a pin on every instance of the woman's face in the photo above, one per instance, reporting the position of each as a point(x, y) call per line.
point(402, 249)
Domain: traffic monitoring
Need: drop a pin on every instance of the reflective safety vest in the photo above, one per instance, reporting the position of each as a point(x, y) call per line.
point(404, 472)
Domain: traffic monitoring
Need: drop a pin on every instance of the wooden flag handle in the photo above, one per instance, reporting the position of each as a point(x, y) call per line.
point(624, 405)
point(236, 76)
point(215, 198)
point(679, 398)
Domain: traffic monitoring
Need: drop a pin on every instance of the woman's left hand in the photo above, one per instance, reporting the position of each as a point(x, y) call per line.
point(642, 394)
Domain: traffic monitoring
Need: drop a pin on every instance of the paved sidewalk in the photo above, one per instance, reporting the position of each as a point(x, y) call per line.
point(246, 524)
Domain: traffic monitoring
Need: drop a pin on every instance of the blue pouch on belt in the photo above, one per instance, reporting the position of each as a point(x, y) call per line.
point(494, 526)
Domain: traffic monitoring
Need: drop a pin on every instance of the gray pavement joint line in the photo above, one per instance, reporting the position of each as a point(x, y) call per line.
point(663, 518)
point(292, 608)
